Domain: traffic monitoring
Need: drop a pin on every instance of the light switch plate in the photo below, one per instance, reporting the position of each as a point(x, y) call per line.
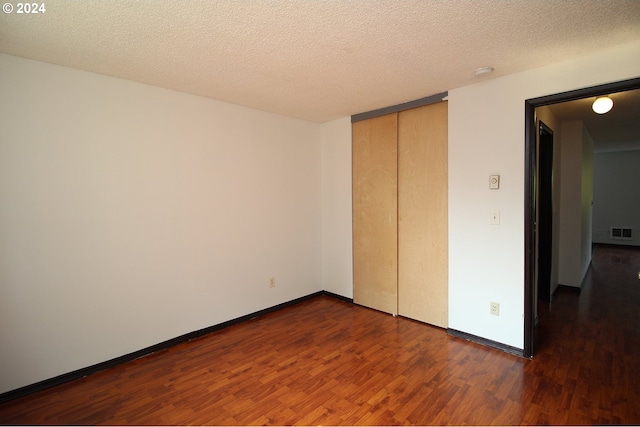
point(494, 182)
point(494, 218)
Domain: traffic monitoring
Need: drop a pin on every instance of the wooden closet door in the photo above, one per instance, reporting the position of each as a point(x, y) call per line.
point(375, 213)
point(423, 271)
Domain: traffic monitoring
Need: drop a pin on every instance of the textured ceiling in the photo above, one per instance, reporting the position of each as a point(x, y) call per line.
point(315, 60)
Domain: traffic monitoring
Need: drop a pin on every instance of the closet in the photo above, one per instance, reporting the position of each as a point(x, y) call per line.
point(400, 234)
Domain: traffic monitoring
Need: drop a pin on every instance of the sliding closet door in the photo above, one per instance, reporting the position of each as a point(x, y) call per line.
point(375, 213)
point(422, 214)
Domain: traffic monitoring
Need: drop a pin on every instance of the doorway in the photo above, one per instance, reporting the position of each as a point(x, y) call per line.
point(545, 211)
point(533, 170)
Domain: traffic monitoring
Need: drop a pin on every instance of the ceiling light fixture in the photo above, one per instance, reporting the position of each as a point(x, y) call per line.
point(602, 105)
point(483, 71)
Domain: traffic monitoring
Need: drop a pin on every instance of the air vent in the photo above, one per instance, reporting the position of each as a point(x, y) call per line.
point(621, 233)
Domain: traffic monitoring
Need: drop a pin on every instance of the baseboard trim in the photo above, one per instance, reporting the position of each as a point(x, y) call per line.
point(84, 372)
point(336, 296)
point(484, 341)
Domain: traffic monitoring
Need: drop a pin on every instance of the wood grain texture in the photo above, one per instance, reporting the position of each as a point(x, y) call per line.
point(328, 362)
point(423, 251)
point(375, 213)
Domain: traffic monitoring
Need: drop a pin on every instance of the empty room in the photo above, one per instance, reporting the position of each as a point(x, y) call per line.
point(319, 212)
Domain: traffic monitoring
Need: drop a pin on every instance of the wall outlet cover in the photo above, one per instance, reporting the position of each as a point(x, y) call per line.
point(494, 308)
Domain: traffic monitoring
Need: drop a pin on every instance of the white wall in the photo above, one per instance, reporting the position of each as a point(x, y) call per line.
point(130, 215)
point(576, 194)
point(586, 204)
point(486, 136)
point(337, 250)
point(570, 194)
point(615, 195)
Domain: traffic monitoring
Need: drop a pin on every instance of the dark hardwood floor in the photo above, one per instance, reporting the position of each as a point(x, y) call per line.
point(328, 362)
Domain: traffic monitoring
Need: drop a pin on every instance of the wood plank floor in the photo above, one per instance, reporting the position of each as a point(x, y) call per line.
point(327, 362)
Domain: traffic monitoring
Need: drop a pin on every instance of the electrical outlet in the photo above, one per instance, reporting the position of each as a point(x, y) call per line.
point(272, 282)
point(494, 308)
